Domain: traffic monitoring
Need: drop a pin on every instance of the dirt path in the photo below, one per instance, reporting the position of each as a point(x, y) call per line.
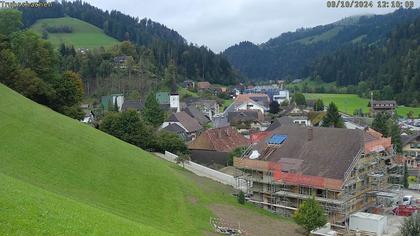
point(254, 224)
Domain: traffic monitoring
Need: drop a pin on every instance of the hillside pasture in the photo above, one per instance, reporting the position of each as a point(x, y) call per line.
point(83, 35)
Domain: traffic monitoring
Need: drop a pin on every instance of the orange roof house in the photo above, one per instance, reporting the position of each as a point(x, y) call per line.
point(214, 145)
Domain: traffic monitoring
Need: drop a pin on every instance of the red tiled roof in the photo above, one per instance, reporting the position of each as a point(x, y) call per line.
point(247, 97)
point(224, 139)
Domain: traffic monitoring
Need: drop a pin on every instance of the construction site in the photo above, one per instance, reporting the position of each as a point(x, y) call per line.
point(344, 170)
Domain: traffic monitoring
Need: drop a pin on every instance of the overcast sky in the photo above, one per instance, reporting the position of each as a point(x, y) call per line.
point(219, 24)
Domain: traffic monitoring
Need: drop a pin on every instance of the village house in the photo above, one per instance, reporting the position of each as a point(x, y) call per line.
point(133, 105)
point(188, 84)
point(244, 105)
point(121, 61)
point(89, 118)
point(342, 168)
point(383, 106)
point(411, 149)
point(168, 101)
point(203, 86)
point(163, 99)
point(198, 115)
point(178, 130)
point(289, 121)
point(209, 108)
point(234, 92)
point(191, 126)
point(261, 88)
point(246, 120)
point(279, 95)
point(213, 146)
point(108, 102)
point(273, 92)
point(260, 98)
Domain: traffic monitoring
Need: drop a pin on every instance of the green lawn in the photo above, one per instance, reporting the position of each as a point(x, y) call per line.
point(226, 103)
point(185, 92)
point(403, 111)
point(61, 177)
point(84, 35)
point(347, 103)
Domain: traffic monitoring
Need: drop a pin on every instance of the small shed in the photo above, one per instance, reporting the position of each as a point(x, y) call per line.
point(368, 222)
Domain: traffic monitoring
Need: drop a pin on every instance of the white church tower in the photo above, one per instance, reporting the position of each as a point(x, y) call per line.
point(174, 102)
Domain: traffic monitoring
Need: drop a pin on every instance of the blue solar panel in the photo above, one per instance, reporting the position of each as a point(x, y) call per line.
point(277, 139)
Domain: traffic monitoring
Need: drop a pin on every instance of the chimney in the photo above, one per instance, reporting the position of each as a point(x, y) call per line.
point(310, 134)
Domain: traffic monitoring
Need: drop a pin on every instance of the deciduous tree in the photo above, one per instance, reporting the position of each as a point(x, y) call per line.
point(299, 99)
point(10, 21)
point(310, 215)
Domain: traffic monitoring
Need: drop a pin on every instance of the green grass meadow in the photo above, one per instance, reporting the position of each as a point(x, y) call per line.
point(348, 103)
point(84, 35)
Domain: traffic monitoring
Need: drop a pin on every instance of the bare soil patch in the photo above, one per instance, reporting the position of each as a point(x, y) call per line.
point(251, 223)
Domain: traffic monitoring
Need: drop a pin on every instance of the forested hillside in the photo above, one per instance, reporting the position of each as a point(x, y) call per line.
point(30, 66)
point(391, 67)
point(166, 45)
point(287, 56)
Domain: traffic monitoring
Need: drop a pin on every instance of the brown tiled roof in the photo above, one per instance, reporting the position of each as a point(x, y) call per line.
point(284, 120)
point(224, 139)
point(198, 115)
point(203, 85)
point(132, 105)
point(327, 152)
point(245, 97)
point(245, 116)
point(191, 124)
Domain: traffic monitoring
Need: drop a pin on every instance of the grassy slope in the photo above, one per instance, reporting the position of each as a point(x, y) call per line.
point(91, 172)
point(28, 210)
point(321, 37)
point(347, 103)
point(84, 35)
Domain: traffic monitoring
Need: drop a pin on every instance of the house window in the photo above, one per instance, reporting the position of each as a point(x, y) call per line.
point(320, 193)
point(412, 145)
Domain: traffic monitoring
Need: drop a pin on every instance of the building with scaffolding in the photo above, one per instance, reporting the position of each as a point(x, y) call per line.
point(343, 169)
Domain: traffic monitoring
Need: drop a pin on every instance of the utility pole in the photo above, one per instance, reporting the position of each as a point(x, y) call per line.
point(371, 101)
